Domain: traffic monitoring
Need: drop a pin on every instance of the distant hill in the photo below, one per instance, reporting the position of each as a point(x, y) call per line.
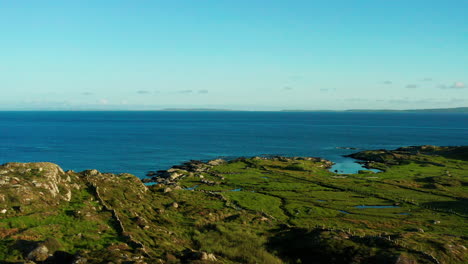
point(434, 110)
point(194, 109)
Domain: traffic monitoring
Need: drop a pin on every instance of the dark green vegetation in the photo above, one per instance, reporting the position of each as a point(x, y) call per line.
point(249, 210)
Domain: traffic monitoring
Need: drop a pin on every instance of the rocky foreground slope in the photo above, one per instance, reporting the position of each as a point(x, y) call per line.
point(248, 210)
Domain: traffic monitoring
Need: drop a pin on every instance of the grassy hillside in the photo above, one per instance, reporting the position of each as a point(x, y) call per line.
point(248, 210)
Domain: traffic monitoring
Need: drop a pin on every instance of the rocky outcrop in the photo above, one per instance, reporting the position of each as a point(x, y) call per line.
point(381, 156)
point(49, 198)
point(31, 184)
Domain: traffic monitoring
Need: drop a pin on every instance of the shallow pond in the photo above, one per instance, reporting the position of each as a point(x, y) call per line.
point(375, 206)
point(191, 188)
point(348, 166)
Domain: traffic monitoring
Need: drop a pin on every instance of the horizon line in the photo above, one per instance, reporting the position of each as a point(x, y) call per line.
point(465, 108)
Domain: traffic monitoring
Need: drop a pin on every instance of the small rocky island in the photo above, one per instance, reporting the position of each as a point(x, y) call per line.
point(246, 210)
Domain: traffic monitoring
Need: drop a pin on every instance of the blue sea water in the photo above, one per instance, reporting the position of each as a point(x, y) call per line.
point(137, 142)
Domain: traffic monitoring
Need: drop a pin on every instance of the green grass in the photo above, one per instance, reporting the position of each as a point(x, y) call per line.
point(258, 202)
point(235, 243)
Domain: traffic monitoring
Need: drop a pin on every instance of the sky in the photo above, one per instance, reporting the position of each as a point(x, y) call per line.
point(243, 54)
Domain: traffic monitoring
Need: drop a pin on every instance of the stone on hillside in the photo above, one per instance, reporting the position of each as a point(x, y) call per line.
point(91, 172)
point(167, 181)
point(216, 162)
point(175, 205)
point(79, 260)
point(159, 180)
point(67, 197)
point(208, 256)
point(147, 180)
point(175, 175)
point(40, 253)
point(142, 222)
point(191, 255)
point(167, 189)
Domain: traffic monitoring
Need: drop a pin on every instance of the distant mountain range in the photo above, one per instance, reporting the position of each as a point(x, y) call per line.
point(433, 110)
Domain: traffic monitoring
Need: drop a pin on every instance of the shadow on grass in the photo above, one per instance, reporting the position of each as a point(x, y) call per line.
point(298, 245)
point(459, 206)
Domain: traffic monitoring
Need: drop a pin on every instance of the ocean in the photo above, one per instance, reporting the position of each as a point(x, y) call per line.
point(140, 141)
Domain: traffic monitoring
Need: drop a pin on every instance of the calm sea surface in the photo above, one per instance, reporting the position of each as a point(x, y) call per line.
point(137, 142)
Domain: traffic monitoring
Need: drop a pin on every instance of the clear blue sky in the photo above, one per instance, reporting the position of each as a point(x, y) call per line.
point(255, 55)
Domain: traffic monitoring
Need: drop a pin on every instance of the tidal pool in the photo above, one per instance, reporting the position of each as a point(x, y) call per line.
point(348, 166)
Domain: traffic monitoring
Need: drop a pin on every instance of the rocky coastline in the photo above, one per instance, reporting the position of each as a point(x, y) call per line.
point(196, 168)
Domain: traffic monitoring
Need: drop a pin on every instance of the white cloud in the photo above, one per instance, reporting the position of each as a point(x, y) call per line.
point(458, 85)
point(455, 85)
point(103, 101)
